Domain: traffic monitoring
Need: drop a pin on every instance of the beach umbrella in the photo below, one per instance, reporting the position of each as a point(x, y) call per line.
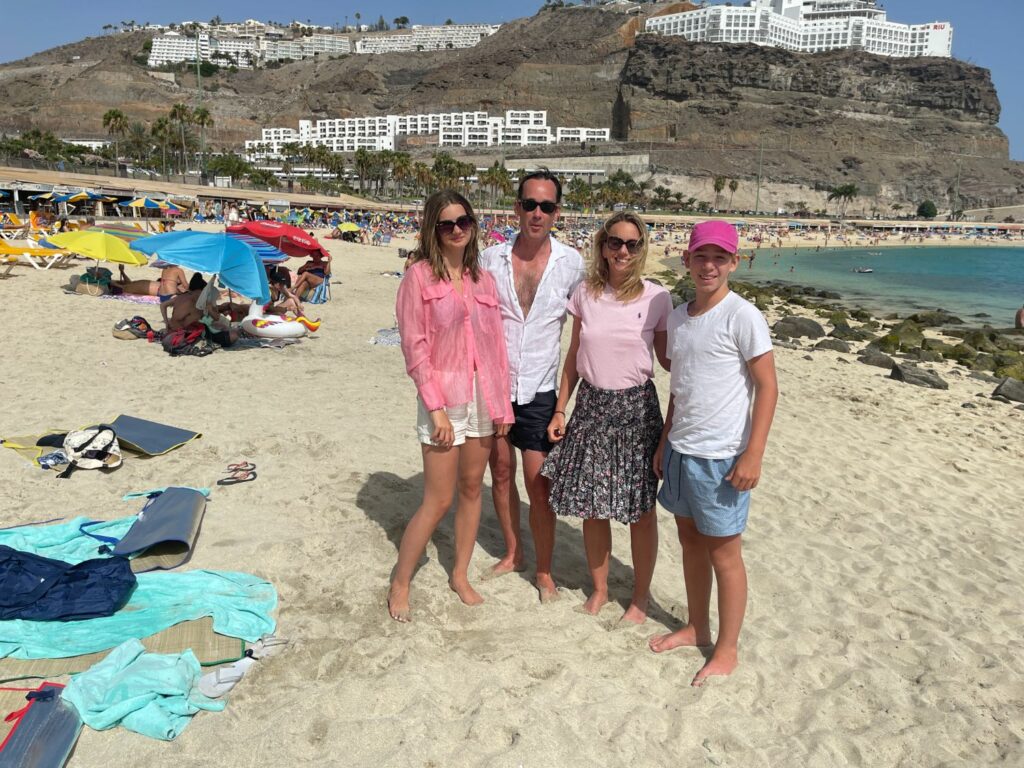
point(235, 262)
point(289, 239)
point(348, 226)
point(97, 245)
point(78, 197)
point(44, 196)
point(125, 232)
point(145, 202)
point(267, 253)
point(4, 193)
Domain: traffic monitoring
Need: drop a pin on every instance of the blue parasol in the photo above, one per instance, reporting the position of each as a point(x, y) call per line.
point(235, 262)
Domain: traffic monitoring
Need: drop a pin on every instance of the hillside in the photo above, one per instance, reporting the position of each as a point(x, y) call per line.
point(891, 125)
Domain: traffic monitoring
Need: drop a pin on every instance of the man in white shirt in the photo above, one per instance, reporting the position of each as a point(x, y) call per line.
point(535, 275)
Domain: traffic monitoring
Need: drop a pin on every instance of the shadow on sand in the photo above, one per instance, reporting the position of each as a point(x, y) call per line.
point(390, 500)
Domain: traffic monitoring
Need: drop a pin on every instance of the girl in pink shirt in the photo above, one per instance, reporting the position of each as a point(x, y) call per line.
point(601, 467)
point(454, 348)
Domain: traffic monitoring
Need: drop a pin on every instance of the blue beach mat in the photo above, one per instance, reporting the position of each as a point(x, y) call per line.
point(149, 437)
point(44, 728)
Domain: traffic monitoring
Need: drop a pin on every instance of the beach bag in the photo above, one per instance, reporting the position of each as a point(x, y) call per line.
point(176, 341)
point(132, 328)
point(91, 448)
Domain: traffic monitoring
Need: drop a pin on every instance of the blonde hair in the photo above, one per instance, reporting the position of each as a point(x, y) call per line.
point(597, 272)
point(430, 244)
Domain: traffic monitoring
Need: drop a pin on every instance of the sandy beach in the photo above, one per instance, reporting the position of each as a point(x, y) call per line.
point(883, 555)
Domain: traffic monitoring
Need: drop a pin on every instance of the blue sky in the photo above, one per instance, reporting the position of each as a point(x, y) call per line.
point(987, 32)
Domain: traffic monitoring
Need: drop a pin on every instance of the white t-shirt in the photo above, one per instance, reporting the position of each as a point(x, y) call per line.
point(713, 388)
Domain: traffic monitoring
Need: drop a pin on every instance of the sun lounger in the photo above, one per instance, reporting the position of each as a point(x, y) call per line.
point(7, 263)
point(30, 252)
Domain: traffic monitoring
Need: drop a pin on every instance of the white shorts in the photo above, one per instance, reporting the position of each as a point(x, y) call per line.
point(469, 420)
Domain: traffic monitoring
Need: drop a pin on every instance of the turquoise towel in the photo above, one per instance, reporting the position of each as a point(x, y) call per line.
point(149, 693)
point(240, 604)
point(64, 541)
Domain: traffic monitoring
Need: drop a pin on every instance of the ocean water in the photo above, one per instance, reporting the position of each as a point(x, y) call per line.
point(967, 281)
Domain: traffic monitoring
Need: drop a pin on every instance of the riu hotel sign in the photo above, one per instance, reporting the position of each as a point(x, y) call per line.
point(938, 26)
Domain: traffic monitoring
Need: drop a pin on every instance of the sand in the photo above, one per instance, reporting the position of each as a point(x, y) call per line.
point(885, 615)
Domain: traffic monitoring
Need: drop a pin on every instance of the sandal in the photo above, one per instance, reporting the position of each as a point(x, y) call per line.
point(241, 476)
point(243, 466)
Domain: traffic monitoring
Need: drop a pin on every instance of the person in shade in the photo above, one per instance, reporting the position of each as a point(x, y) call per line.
point(601, 467)
point(724, 392)
point(450, 326)
point(535, 275)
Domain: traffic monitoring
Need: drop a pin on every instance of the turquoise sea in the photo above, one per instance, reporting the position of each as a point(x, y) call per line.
point(967, 281)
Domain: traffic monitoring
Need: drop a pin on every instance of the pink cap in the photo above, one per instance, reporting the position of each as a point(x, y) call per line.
point(720, 233)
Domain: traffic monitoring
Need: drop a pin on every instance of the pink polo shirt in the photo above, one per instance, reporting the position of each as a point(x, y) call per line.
point(616, 339)
point(447, 336)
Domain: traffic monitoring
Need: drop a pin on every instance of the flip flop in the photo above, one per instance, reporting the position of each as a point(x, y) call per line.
point(242, 466)
point(268, 645)
point(215, 684)
point(238, 477)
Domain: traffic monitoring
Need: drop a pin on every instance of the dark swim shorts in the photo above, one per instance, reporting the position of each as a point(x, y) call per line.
point(530, 432)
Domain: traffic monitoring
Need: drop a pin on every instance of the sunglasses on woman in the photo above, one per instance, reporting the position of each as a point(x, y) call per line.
point(615, 244)
point(529, 205)
point(447, 226)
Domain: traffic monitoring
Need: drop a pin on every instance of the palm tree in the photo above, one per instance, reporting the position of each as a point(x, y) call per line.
point(844, 193)
point(719, 185)
point(201, 116)
point(733, 186)
point(116, 123)
point(161, 132)
point(423, 176)
point(401, 170)
point(362, 161)
point(137, 142)
point(181, 114)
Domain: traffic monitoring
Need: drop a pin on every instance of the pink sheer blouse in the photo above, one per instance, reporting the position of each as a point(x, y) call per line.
point(447, 336)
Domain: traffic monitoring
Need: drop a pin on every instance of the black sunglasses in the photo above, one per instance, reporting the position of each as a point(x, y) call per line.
point(616, 243)
point(464, 223)
point(530, 205)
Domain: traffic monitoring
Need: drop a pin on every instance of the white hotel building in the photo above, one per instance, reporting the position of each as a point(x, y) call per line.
point(809, 26)
point(174, 48)
point(454, 129)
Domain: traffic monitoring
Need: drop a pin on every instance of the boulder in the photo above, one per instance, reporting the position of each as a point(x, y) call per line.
point(925, 355)
point(919, 377)
point(981, 341)
point(797, 327)
point(834, 344)
point(1011, 389)
point(937, 346)
point(1015, 371)
point(962, 353)
point(877, 359)
point(983, 362)
point(909, 333)
point(935, 319)
point(844, 332)
point(860, 314)
point(888, 344)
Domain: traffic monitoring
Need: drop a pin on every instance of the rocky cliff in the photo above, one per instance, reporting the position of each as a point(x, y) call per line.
point(897, 127)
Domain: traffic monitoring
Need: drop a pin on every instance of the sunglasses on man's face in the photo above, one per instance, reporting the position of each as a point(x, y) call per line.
point(447, 226)
point(615, 244)
point(529, 205)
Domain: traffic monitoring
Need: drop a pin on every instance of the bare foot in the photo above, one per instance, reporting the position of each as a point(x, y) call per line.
point(595, 603)
point(466, 593)
point(635, 614)
point(546, 587)
point(687, 636)
point(503, 567)
point(720, 663)
point(398, 604)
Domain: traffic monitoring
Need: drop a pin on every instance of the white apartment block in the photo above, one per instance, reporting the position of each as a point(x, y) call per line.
point(454, 129)
point(581, 135)
point(427, 38)
point(809, 26)
point(174, 48)
point(304, 47)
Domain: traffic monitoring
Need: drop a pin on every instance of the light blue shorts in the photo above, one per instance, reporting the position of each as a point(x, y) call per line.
point(696, 488)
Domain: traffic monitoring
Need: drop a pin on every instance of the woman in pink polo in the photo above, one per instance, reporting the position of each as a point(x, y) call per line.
point(602, 468)
point(454, 347)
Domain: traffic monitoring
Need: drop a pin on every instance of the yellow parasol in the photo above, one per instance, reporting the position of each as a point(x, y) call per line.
point(99, 246)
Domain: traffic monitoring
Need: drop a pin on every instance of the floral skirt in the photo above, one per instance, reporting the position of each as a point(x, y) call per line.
point(602, 469)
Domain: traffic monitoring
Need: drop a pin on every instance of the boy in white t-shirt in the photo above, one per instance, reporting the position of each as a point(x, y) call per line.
point(722, 361)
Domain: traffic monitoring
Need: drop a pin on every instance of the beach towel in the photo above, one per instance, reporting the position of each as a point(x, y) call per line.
point(67, 541)
point(165, 531)
point(150, 438)
point(37, 728)
point(239, 603)
point(40, 589)
point(197, 636)
point(153, 694)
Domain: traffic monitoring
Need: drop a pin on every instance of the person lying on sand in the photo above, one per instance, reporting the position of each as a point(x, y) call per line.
point(172, 282)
